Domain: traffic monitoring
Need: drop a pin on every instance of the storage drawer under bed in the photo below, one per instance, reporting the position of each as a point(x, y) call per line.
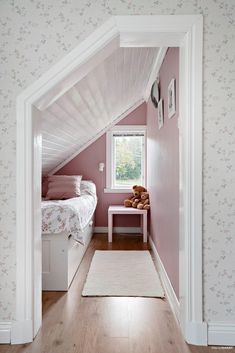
point(61, 257)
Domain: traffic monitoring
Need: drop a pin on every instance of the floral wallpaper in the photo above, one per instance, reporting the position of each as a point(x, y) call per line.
point(35, 34)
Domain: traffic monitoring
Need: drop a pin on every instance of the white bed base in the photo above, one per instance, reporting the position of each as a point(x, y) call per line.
point(61, 257)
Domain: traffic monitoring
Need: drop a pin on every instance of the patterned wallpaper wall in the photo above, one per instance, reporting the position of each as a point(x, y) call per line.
point(35, 34)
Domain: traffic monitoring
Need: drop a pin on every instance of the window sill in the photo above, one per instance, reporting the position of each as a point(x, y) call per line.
point(117, 191)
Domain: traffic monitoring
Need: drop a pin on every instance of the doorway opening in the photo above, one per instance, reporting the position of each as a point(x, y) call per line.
point(184, 32)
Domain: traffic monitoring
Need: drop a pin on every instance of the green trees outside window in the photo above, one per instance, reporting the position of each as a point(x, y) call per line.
point(128, 151)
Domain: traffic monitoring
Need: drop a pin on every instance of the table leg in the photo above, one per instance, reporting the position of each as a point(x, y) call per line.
point(145, 235)
point(110, 227)
point(141, 224)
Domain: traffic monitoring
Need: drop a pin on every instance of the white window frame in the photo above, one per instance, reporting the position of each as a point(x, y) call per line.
point(110, 153)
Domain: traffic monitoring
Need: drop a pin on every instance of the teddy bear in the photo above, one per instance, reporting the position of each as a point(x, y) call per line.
point(136, 189)
point(144, 201)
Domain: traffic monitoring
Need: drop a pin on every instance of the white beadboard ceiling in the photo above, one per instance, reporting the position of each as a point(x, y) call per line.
point(94, 103)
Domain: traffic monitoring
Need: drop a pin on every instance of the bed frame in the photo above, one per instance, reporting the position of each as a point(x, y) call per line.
point(61, 257)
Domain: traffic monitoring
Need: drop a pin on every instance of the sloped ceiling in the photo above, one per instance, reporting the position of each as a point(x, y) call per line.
point(94, 103)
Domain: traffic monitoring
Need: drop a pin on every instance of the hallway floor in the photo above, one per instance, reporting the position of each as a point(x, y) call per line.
point(72, 324)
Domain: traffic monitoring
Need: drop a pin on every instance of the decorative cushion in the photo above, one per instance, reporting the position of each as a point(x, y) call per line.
point(88, 188)
point(63, 187)
point(44, 186)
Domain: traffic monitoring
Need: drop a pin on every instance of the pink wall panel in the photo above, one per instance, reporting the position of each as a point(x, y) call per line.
point(163, 173)
point(86, 164)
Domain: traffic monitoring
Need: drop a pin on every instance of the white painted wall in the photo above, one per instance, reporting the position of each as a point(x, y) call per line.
point(35, 35)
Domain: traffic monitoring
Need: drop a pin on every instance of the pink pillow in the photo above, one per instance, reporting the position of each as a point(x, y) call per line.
point(63, 187)
point(44, 186)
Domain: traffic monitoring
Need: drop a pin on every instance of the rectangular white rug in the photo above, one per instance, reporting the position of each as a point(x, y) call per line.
point(123, 273)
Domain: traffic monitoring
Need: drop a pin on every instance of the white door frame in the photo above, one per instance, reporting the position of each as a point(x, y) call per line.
point(122, 31)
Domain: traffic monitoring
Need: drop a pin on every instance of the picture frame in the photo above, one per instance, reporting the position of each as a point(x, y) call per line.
point(160, 114)
point(155, 93)
point(171, 99)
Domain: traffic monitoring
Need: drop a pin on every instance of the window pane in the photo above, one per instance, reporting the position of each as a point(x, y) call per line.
point(128, 160)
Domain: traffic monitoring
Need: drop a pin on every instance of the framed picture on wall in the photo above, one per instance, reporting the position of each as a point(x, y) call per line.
point(171, 99)
point(160, 114)
point(155, 93)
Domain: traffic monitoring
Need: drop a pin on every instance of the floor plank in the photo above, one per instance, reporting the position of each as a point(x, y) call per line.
point(73, 324)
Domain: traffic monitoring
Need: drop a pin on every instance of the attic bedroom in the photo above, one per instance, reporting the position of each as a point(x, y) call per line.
point(116, 176)
point(98, 176)
point(100, 139)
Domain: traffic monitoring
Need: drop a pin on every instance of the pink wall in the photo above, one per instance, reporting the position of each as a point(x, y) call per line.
point(163, 173)
point(86, 164)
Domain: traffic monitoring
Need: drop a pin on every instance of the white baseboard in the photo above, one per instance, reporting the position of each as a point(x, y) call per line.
point(221, 334)
point(169, 290)
point(22, 332)
point(195, 333)
point(128, 230)
point(5, 332)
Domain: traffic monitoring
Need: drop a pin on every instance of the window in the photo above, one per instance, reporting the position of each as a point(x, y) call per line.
point(125, 157)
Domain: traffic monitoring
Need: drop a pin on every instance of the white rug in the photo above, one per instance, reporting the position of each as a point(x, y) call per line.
point(123, 273)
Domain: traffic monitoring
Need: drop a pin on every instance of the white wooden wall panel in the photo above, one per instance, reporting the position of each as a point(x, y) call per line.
point(94, 103)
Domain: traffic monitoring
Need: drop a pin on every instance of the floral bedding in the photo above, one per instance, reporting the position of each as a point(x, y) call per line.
point(71, 215)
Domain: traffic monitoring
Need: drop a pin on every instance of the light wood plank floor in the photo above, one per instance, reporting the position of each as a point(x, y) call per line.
point(72, 324)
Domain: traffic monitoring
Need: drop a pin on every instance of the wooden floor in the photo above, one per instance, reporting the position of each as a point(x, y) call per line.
point(72, 324)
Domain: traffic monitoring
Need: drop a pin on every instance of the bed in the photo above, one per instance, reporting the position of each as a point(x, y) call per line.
point(67, 228)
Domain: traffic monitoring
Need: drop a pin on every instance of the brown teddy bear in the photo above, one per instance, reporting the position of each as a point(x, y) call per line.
point(137, 190)
point(143, 203)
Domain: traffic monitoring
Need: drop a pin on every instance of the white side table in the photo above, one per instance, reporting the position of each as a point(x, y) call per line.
point(126, 210)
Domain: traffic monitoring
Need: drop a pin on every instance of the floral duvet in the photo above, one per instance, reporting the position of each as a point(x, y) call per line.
point(72, 215)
